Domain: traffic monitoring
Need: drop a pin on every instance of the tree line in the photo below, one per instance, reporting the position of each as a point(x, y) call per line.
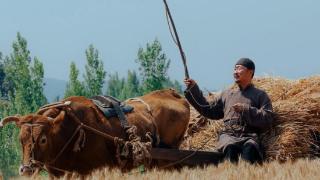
point(22, 87)
point(152, 75)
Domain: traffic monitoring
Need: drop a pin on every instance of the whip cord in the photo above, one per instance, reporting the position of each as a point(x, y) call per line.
point(175, 37)
point(176, 40)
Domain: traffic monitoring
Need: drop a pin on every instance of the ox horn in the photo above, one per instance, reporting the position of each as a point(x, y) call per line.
point(6, 120)
point(60, 117)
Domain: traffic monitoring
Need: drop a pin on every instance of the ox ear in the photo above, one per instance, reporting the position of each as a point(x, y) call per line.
point(59, 118)
point(6, 120)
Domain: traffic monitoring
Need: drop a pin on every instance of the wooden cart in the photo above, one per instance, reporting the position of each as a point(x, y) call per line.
point(187, 157)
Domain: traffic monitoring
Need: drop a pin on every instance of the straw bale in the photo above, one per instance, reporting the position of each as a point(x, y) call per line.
point(307, 87)
point(295, 132)
point(275, 87)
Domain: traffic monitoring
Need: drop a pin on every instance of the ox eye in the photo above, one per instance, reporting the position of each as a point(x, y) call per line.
point(43, 140)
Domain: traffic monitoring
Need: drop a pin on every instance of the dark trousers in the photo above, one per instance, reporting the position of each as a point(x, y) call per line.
point(248, 152)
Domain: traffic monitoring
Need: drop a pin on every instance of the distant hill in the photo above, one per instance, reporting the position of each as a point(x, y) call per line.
point(54, 88)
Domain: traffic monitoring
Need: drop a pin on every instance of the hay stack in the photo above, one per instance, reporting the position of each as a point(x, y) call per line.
point(296, 130)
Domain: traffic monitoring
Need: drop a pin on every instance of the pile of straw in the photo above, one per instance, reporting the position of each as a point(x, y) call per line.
point(296, 129)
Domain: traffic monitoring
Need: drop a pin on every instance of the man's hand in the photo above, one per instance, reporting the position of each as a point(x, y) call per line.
point(189, 83)
point(240, 107)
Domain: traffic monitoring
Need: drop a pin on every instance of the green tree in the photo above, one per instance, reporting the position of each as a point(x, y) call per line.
point(74, 86)
point(115, 86)
point(94, 74)
point(24, 82)
point(2, 76)
point(131, 86)
point(153, 66)
point(9, 150)
point(124, 88)
point(25, 79)
point(37, 74)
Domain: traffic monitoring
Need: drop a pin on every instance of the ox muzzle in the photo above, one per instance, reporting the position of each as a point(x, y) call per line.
point(29, 170)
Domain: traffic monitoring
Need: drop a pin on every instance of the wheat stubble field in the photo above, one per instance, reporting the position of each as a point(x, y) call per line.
point(300, 169)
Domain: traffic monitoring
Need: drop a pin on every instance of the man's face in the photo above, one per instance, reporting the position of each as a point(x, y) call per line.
point(242, 74)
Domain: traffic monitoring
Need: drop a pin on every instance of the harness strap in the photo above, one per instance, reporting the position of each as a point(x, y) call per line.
point(66, 145)
point(46, 166)
point(32, 140)
point(123, 120)
point(76, 119)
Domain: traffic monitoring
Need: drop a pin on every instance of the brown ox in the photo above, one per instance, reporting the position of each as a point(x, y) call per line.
point(43, 135)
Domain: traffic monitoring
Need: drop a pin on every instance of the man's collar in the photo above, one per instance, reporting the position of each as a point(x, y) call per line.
point(247, 87)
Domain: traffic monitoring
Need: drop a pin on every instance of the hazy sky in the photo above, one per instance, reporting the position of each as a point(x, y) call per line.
point(282, 36)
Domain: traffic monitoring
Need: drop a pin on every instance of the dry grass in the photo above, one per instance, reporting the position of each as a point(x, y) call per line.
point(301, 169)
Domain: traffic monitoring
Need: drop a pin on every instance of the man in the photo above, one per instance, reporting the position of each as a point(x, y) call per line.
point(245, 110)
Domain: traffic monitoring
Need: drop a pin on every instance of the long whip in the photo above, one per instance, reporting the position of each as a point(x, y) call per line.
point(176, 37)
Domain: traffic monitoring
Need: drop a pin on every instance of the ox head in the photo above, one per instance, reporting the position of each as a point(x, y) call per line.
point(36, 132)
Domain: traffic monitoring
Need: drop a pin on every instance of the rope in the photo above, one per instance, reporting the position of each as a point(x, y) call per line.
point(76, 119)
point(68, 142)
point(46, 166)
point(80, 142)
point(133, 149)
point(140, 100)
point(199, 104)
